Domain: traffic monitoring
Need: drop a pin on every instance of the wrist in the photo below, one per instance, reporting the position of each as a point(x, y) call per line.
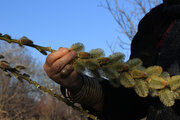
point(90, 93)
point(76, 85)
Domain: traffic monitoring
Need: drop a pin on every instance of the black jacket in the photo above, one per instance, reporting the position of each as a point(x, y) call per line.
point(150, 45)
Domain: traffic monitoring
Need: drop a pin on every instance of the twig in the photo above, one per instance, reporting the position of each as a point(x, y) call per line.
point(27, 42)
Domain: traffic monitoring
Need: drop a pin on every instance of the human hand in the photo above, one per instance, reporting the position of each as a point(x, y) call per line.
point(59, 68)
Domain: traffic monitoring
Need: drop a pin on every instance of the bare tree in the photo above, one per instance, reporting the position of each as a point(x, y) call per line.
point(15, 100)
point(127, 14)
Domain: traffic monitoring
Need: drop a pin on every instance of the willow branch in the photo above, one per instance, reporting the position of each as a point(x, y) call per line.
point(27, 42)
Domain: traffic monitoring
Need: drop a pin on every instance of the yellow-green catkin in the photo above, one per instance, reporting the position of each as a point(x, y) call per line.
point(103, 60)
point(96, 53)
point(141, 88)
point(109, 72)
point(137, 74)
point(154, 70)
point(116, 57)
point(78, 47)
point(79, 65)
point(167, 97)
point(83, 55)
point(91, 64)
point(119, 67)
point(165, 75)
point(156, 82)
point(134, 63)
point(174, 82)
point(126, 80)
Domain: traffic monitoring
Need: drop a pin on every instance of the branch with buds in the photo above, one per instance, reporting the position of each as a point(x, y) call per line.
point(27, 42)
point(16, 71)
point(131, 74)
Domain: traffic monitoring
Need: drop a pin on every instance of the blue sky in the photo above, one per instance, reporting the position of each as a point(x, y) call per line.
point(59, 23)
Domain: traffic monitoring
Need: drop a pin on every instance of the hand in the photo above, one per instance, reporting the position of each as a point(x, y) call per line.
point(59, 69)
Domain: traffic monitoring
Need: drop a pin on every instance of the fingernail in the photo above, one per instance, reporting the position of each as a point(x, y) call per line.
point(65, 50)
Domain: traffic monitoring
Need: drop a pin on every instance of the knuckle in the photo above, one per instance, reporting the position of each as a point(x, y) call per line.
point(65, 50)
point(57, 68)
point(49, 59)
point(60, 48)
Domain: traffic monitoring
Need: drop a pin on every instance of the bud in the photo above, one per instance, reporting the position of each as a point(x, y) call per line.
point(141, 88)
point(6, 36)
point(119, 67)
point(78, 47)
point(154, 70)
point(109, 72)
point(1, 56)
point(4, 64)
point(167, 97)
point(26, 75)
point(174, 82)
point(116, 57)
point(79, 65)
point(91, 64)
point(166, 76)
point(126, 80)
point(156, 82)
point(135, 73)
point(103, 60)
point(96, 53)
point(20, 67)
point(83, 55)
point(25, 41)
point(134, 62)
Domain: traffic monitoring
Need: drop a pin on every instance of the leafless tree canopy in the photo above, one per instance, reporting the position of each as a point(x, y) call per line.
point(127, 14)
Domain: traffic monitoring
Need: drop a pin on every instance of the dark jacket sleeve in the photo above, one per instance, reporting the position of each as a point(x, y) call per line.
point(123, 103)
point(169, 59)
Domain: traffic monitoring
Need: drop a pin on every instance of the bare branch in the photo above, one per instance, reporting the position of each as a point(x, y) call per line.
point(139, 3)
